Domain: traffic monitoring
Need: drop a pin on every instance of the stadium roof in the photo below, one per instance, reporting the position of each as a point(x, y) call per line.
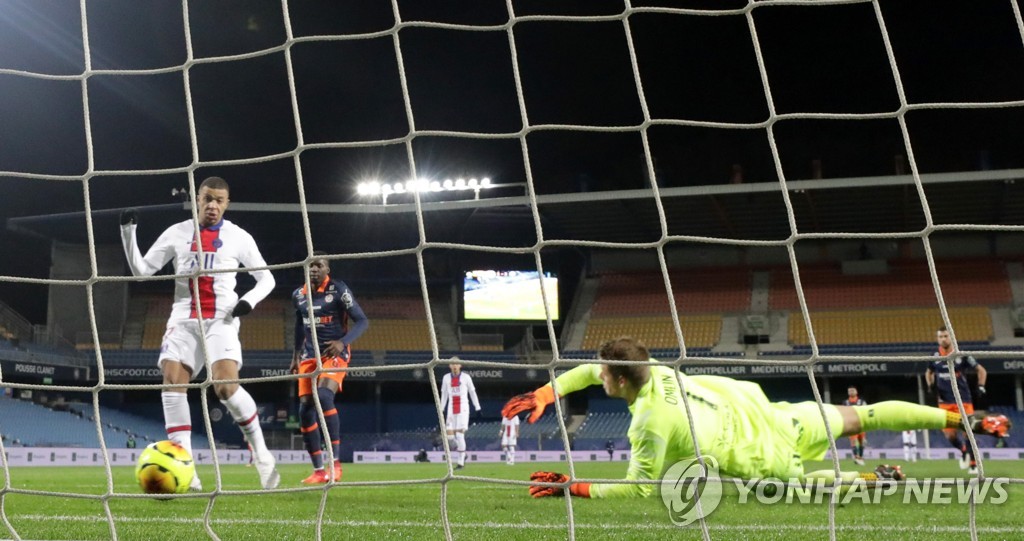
point(733, 212)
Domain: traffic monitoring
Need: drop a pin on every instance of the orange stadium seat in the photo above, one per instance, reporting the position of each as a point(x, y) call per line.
point(396, 335)
point(908, 284)
point(902, 325)
point(695, 291)
point(655, 331)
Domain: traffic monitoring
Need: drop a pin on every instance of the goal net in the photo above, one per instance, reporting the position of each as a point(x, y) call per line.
point(486, 135)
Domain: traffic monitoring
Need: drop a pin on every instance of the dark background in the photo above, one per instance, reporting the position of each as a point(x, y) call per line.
point(702, 87)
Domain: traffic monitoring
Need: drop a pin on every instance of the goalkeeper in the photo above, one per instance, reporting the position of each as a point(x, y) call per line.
point(750, 437)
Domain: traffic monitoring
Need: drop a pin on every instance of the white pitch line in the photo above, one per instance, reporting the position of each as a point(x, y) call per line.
point(505, 525)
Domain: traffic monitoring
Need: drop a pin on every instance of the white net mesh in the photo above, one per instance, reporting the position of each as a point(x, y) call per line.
point(512, 27)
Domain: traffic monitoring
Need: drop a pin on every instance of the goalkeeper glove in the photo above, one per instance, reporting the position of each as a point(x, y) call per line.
point(129, 216)
point(981, 390)
point(536, 401)
point(241, 309)
point(581, 490)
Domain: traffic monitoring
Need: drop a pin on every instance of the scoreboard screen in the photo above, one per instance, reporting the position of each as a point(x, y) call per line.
point(508, 295)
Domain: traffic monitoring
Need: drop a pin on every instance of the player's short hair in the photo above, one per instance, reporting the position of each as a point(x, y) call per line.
point(942, 328)
point(215, 183)
point(627, 348)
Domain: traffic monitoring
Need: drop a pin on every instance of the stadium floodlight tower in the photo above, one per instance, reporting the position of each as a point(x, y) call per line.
point(374, 188)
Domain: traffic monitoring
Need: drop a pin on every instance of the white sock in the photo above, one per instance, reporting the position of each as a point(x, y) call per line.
point(512, 454)
point(460, 444)
point(178, 419)
point(243, 411)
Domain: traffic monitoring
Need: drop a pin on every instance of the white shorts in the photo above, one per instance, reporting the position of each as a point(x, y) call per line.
point(508, 442)
point(182, 343)
point(458, 421)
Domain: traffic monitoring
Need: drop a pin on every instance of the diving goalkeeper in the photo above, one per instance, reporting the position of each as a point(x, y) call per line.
point(750, 437)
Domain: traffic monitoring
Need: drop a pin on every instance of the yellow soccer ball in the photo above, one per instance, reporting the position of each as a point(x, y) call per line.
point(164, 467)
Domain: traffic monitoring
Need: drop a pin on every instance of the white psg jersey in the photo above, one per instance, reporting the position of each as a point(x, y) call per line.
point(225, 246)
point(509, 428)
point(455, 390)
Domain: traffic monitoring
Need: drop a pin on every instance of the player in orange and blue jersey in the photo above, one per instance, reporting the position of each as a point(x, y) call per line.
point(856, 440)
point(334, 308)
point(941, 381)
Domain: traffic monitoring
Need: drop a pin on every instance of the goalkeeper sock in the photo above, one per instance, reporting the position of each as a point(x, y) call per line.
point(311, 434)
point(460, 444)
point(898, 416)
point(177, 419)
point(243, 411)
point(331, 418)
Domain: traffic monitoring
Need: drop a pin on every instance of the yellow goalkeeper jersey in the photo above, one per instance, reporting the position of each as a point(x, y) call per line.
point(733, 420)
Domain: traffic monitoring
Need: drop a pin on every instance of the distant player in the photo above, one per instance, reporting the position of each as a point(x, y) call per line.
point(334, 308)
point(456, 387)
point(856, 440)
point(225, 246)
point(910, 445)
point(749, 437)
point(509, 435)
point(938, 377)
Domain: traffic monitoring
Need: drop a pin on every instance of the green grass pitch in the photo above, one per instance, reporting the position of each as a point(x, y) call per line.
point(476, 510)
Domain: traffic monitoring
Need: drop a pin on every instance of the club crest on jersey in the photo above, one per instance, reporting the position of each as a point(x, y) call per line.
point(217, 243)
point(329, 298)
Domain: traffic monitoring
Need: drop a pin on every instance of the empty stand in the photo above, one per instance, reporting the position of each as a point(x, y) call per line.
point(907, 284)
point(695, 291)
point(655, 331)
point(636, 303)
point(889, 326)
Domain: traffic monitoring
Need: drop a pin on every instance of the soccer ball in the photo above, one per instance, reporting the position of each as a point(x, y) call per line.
point(164, 467)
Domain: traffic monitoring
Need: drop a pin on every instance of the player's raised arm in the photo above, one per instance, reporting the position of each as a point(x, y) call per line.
point(158, 255)
point(581, 377)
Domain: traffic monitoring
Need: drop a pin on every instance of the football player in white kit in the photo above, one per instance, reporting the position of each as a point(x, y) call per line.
point(509, 434)
point(224, 246)
point(910, 445)
point(455, 388)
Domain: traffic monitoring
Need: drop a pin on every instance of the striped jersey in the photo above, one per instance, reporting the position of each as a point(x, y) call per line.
point(510, 427)
point(454, 392)
point(225, 246)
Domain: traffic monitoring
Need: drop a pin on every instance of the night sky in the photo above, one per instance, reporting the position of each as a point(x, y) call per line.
point(819, 59)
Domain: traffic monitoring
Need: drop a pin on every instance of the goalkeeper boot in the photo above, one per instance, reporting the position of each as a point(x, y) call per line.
point(886, 471)
point(337, 471)
point(995, 424)
point(265, 466)
point(318, 477)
